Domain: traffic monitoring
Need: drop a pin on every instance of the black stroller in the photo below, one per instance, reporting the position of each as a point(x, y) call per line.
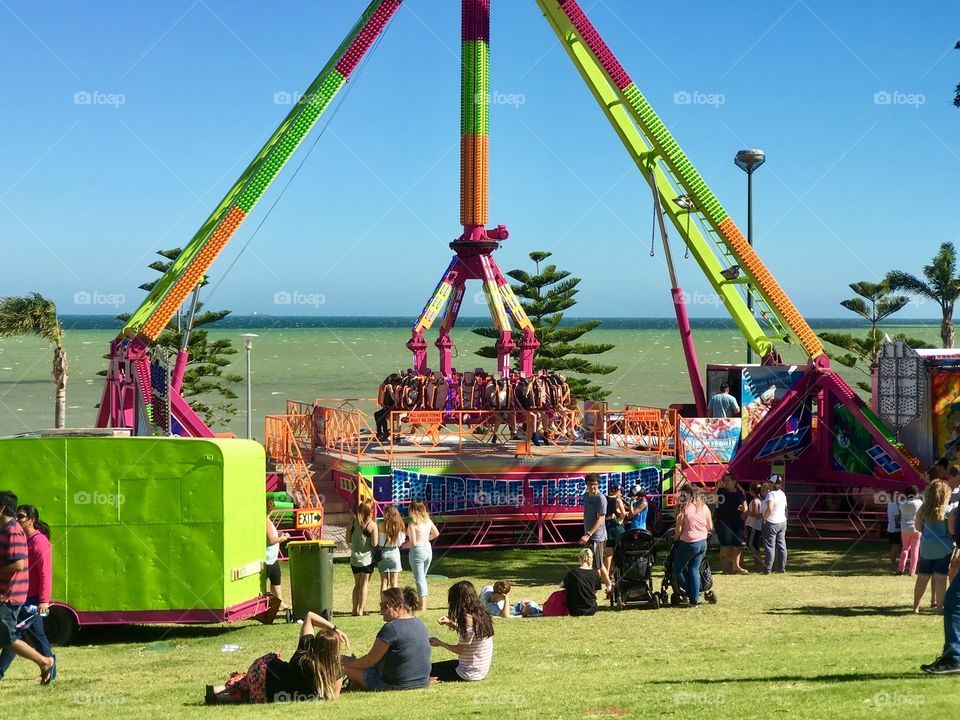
point(670, 582)
point(632, 576)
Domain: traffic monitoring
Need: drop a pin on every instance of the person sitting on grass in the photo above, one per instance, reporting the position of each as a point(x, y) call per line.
point(400, 656)
point(582, 584)
point(936, 543)
point(313, 673)
point(495, 598)
point(467, 617)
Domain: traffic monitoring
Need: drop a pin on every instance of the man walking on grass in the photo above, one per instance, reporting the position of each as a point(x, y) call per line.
point(14, 581)
point(594, 525)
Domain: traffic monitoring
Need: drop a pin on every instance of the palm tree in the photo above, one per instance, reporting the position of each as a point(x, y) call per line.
point(874, 304)
point(940, 284)
point(35, 315)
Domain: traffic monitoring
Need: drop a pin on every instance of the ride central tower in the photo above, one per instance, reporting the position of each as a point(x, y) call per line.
point(473, 258)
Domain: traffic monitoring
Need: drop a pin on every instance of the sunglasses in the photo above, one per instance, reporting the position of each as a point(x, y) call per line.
point(21, 516)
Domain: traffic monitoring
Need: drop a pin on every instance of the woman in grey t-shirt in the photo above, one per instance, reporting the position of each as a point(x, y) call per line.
point(400, 656)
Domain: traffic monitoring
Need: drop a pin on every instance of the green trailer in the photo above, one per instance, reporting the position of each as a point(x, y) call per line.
point(145, 530)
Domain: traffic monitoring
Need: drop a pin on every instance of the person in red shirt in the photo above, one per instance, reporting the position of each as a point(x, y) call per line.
point(14, 581)
point(40, 580)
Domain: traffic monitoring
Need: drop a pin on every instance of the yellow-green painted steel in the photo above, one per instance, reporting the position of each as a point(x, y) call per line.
point(311, 104)
point(634, 132)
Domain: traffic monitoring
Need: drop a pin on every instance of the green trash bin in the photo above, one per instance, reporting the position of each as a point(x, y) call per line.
point(311, 575)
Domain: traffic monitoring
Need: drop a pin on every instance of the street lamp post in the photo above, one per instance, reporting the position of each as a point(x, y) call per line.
point(748, 161)
point(248, 344)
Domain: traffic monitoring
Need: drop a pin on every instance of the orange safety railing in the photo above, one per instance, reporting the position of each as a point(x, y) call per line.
point(647, 428)
point(300, 417)
point(351, 432)
point(283, 450)
point(345, 430)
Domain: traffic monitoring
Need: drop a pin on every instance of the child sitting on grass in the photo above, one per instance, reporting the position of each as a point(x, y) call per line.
point(470, 620)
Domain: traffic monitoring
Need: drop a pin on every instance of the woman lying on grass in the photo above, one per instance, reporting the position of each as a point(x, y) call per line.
point(400, 656)
point(469, 619)
point(313, 673)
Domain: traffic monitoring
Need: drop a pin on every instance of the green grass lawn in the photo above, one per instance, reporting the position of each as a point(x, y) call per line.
point(833, 638)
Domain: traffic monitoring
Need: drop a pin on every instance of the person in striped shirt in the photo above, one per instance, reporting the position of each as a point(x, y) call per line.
point(474, 627)
point(14, 581)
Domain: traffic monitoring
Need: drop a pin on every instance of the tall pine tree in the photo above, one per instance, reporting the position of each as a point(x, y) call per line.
point(545, 296)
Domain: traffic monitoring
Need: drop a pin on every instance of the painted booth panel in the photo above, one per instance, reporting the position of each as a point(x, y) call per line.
point(143, 524)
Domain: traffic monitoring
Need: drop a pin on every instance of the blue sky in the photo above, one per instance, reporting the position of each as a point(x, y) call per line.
point(180, 94)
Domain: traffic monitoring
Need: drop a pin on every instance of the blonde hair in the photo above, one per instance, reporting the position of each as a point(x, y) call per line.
point(418, 512)
point(936, 497)
point(586, 556)
point(392, 525)
point(321, 660)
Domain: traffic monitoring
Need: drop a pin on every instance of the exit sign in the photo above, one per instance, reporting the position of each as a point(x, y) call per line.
point(308, 518)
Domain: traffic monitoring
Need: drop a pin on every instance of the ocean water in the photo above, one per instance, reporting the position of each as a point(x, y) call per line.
point(305, 359)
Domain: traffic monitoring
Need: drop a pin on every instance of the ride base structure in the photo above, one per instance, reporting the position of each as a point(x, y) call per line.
point(487, 485)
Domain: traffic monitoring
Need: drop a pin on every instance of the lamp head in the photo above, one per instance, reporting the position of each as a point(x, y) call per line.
point(749, 160)
point(248, 340)
point(731, 273)
point(684, 201)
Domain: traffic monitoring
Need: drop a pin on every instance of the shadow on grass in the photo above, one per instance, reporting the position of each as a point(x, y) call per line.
point(148, 634)
point(826, 678)
point(844, 612)
point(534, 566)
